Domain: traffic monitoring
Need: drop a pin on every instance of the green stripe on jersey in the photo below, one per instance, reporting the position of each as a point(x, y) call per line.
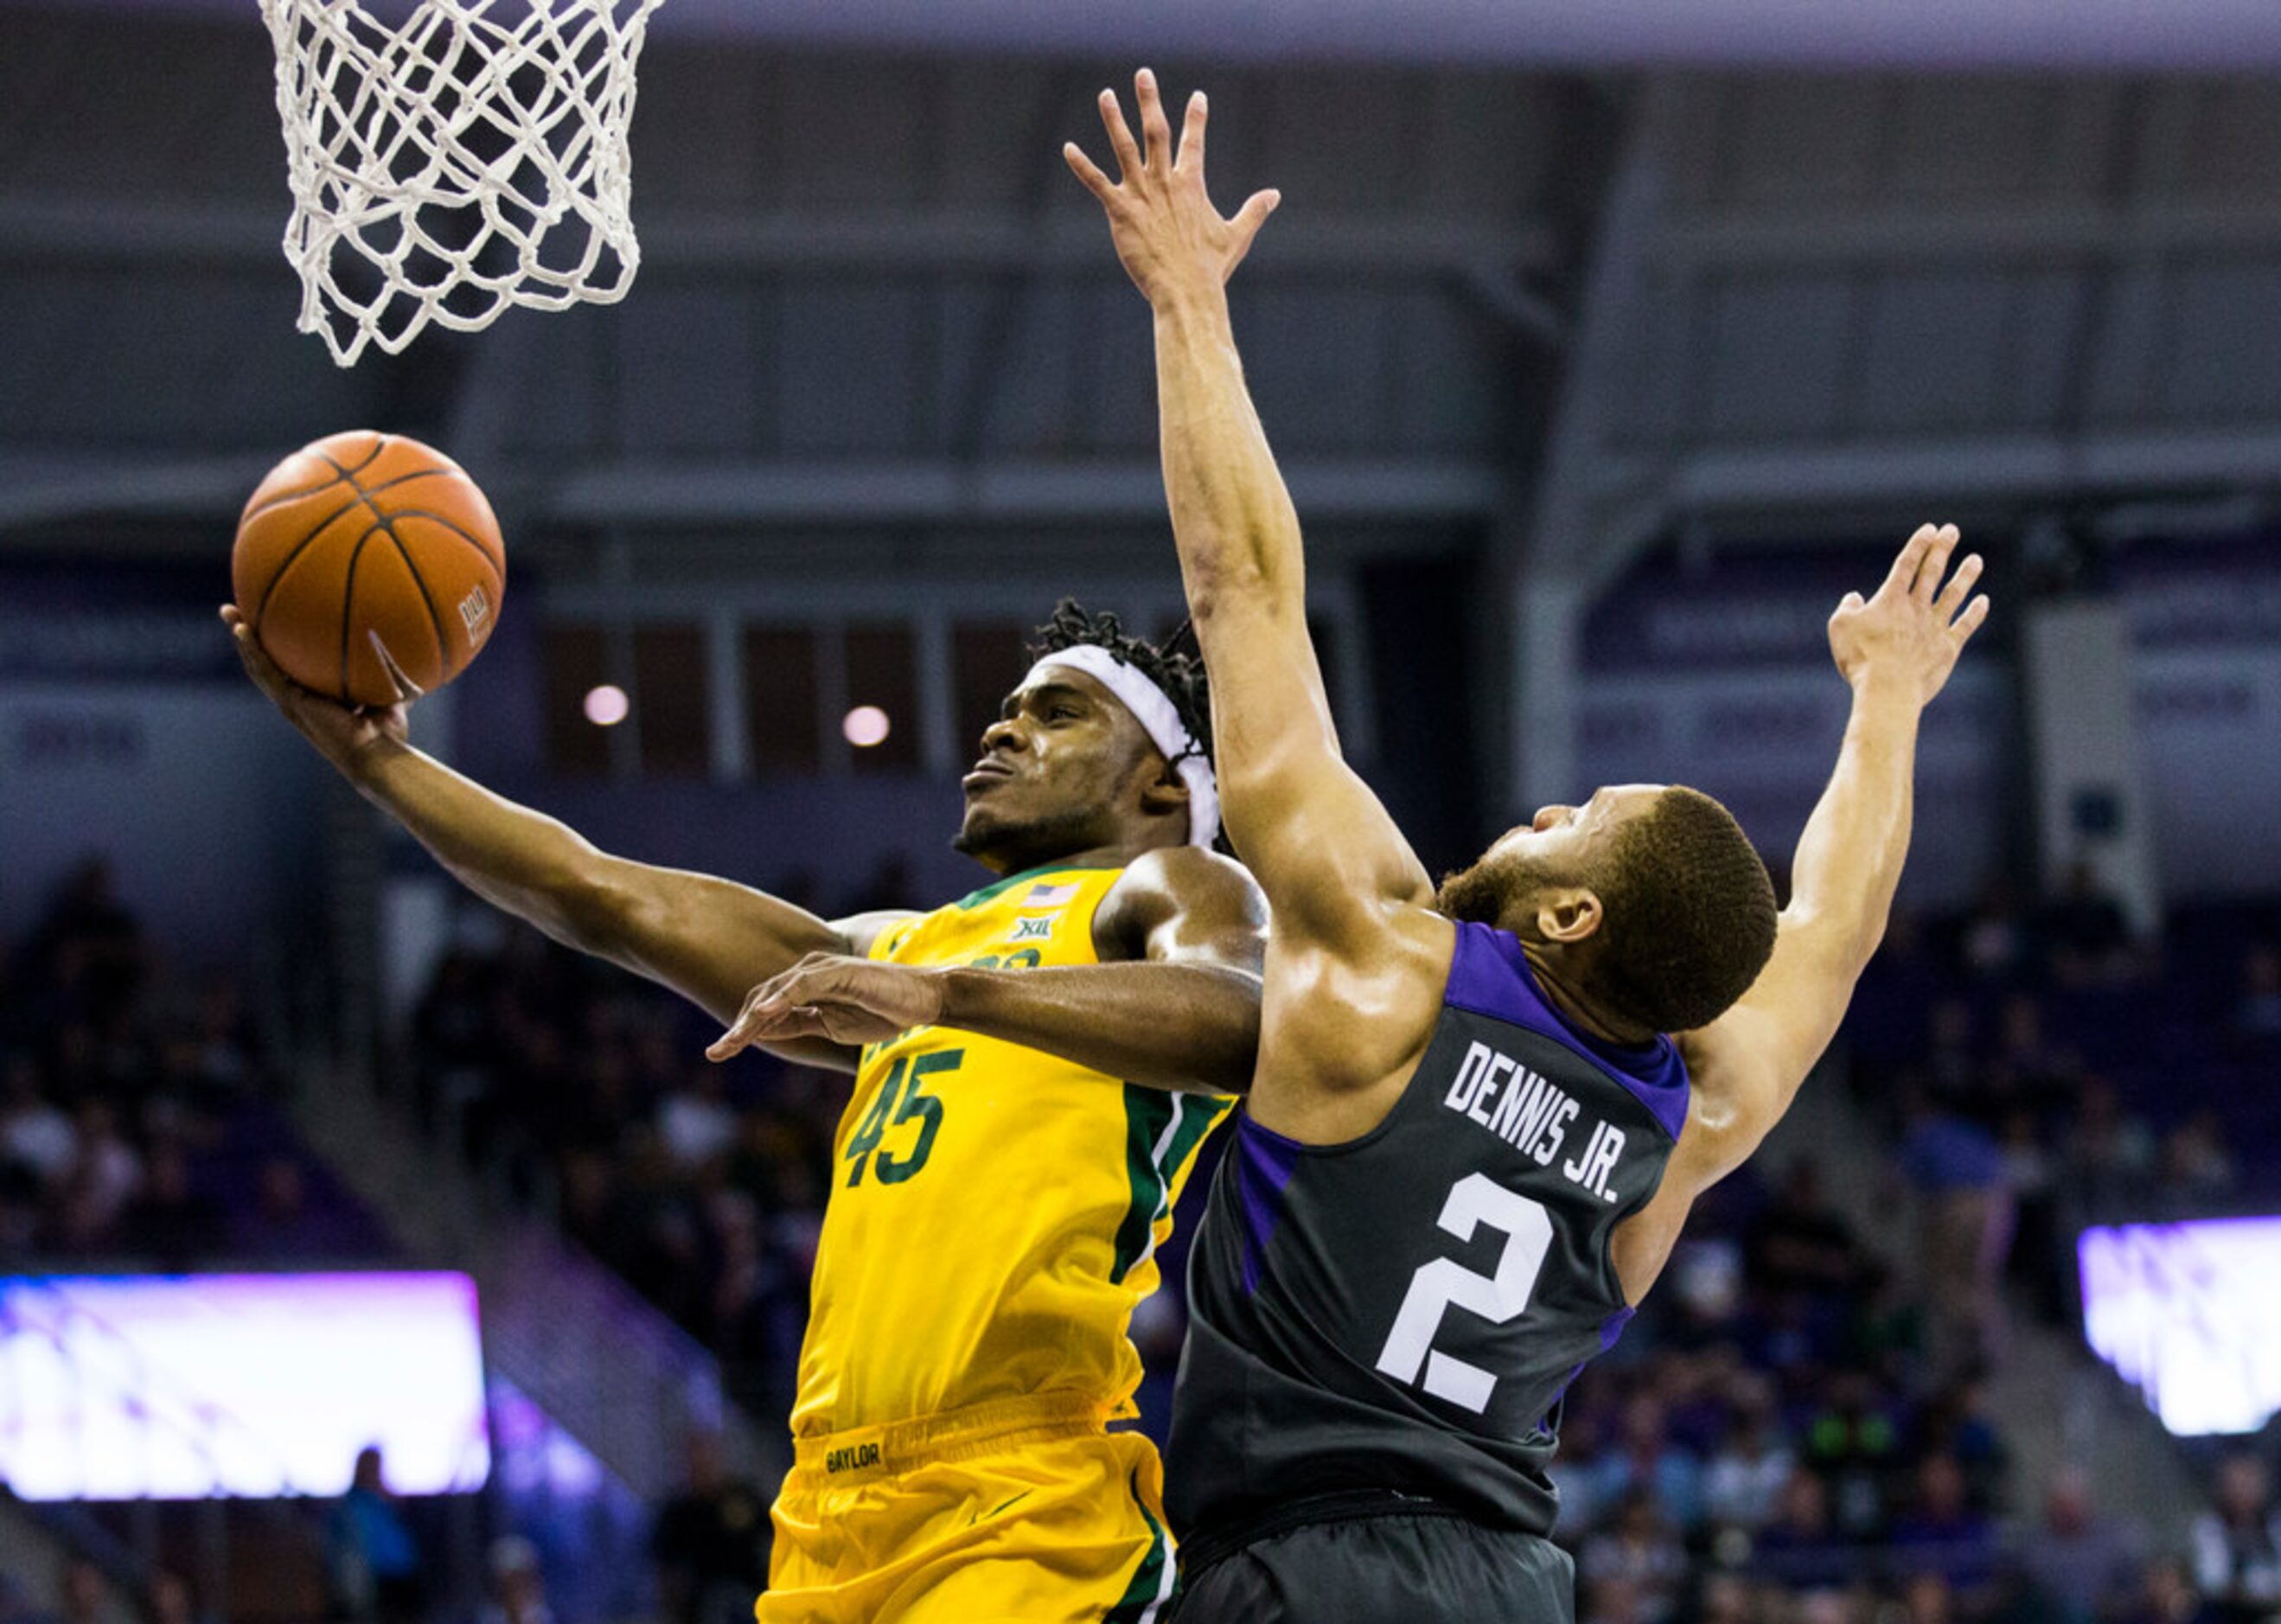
point(1152, 1581)
point(1148, 1112)
point(1202, 1114)
point(1161, 1131)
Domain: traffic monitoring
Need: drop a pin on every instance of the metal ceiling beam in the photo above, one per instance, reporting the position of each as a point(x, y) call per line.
point(45, 488)
point(1802, 477)
point(1908, 237)
point(37, 488)
point(2237, 36)
point(1568, 546)
point(133, 230)
point(952, 492)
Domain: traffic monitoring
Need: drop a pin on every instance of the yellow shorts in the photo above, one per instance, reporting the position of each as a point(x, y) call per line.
point(1026, 1512)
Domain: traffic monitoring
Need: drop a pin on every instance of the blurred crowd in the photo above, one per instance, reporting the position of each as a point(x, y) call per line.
point(2044, 1068)
point(1802, 1429)
point(1781, 1444)
point(137, 1115)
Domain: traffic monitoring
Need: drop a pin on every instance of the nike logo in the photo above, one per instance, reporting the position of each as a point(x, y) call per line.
point(1000, 1506)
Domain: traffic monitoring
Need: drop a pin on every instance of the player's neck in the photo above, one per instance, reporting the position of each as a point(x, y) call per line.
point(1578, 1010)
point(1114, 855)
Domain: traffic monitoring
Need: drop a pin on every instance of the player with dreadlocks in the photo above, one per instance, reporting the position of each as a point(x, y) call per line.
point(1035, 1066)
point(1009, 1158)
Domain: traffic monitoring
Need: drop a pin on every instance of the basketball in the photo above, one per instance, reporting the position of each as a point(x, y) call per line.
point(362, 536)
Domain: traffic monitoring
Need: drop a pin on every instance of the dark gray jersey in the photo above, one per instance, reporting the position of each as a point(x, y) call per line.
point(1404, 1311)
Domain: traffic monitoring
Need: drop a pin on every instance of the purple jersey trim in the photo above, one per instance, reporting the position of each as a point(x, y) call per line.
point(1611, 1329)
point(1489, 975)
point(1265, 1162)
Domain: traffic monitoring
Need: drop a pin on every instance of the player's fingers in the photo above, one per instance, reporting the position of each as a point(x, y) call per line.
point(767, 994)
point(1959, 586)
point(738, 1037)
point(253, 656)
point(1934, 564)
point(1248, 219)
point(733, 1041)
point(1120, 136)
point(799, 1021)
point(1968, 622)
point(1156, 129)
point(1086, 170)
point(783, 1018)
point(241, 635)
point(817, 985)
point(1912, 554)
point(1192, 135)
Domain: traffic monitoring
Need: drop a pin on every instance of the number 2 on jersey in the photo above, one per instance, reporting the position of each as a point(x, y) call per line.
point(1475, 1200)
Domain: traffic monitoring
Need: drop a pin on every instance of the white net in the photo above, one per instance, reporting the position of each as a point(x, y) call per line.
point(469, 156)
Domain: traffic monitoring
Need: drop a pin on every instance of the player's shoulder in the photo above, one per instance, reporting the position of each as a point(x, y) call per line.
point(1179, 878)
point(1190, 865)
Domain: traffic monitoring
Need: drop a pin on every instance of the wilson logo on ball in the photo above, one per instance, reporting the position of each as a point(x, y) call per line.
point(476, 611)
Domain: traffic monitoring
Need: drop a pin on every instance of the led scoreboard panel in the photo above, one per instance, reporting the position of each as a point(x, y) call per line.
point(2190, 1314)
point(183, 1387)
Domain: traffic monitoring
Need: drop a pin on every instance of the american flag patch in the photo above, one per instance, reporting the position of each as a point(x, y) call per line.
point(1050, 896)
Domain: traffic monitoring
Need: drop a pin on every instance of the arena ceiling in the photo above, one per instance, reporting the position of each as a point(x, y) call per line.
point(2175, 34)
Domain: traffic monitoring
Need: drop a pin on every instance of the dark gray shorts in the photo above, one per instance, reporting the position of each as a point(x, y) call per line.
point(1392, 1569)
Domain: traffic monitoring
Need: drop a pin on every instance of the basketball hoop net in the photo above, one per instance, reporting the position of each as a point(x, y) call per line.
point(453, 163)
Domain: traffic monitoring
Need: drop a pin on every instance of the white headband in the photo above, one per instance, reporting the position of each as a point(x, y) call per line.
point(1152, 709)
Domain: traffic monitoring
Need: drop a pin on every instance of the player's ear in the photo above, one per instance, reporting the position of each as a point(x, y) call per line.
point(1569, 914)
point(1165, 793)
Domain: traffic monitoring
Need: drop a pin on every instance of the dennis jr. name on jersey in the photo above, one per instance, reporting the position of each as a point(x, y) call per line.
point(1533, 1115)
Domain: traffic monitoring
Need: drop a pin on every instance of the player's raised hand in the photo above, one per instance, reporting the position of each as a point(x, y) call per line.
point(1909, 634)
point(340, 731)
point(1169, 238)
point(834, 996)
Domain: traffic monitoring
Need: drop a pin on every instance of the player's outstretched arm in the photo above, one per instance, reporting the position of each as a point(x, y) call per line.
point(1175, 1002)
point(704, 938)
point(1329, 857)
point(1897, 650)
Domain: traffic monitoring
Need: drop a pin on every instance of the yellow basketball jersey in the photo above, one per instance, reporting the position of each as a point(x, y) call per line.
point(994, 1211)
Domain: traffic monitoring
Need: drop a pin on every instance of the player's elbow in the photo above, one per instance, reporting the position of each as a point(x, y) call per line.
point(1227, 578)
point(1838, 942)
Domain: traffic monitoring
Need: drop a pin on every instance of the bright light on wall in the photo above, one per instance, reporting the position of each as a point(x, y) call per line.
point(181, 1388)
point(608, 705)
point(866, 725)
point(2188, 1314)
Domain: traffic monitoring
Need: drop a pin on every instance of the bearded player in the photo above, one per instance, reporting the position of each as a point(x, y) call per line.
point(1015, 1141)
point(1472, 1137)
